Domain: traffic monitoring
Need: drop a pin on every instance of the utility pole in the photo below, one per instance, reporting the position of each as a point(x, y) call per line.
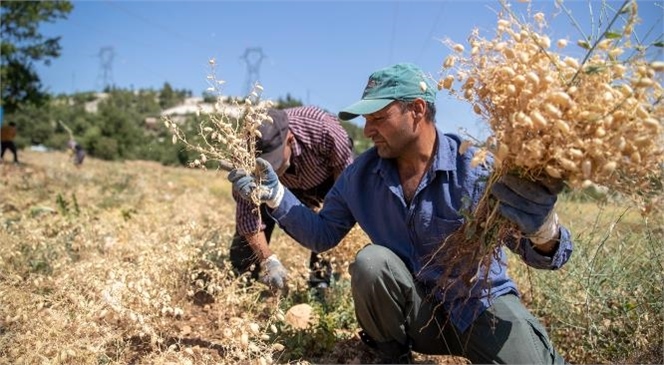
point(253, 56)
point(105, 77)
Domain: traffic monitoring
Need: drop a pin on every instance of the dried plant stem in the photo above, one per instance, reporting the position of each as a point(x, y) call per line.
point(229, 134)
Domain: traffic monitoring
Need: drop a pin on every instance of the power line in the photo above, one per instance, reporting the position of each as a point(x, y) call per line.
point(394, 31)
point(89, 28)
point(145, 20)
point(429, 36)
point(253, 57)
point(106, 55)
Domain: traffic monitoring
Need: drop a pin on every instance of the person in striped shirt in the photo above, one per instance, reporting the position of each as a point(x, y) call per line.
point(308, 148)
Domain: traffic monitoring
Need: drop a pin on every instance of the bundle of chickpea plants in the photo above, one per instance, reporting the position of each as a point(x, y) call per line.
point(592, 121)
point(228, 135)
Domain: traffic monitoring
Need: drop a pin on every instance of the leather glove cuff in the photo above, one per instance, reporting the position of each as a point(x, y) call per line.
point(271, 258)
point(547, 231)
point(276, 200)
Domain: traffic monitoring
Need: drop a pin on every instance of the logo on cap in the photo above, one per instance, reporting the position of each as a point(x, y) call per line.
point(370, 85)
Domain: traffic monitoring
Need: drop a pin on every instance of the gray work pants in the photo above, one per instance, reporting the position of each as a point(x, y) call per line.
point(391, 308)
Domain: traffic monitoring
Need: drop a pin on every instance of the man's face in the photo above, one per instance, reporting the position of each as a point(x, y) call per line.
point(391, 130)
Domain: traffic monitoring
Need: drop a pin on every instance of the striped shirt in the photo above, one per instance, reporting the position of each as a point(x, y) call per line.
point(320, 151)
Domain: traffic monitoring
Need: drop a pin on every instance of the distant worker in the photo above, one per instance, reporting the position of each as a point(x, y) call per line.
point(308, 148)
point(8, 133)
point(78, 153)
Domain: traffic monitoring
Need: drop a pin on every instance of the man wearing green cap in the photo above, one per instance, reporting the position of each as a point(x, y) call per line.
point(407, 193)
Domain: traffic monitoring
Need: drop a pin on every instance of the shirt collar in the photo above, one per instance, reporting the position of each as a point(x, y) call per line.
point(446, 155)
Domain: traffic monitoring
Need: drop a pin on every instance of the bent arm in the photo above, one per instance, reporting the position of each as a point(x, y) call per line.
point(552, 255)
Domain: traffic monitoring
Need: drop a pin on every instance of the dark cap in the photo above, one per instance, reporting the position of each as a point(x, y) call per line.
point(273, 138)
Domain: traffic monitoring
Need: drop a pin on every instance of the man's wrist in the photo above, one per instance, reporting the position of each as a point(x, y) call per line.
point(547, 249)
point(278, 197)
point(271, 258)
point(547, 232)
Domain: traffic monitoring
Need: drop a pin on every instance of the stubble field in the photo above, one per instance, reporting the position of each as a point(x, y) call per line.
point(126, 263)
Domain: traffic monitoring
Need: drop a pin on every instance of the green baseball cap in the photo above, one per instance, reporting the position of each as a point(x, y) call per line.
point(403, 81)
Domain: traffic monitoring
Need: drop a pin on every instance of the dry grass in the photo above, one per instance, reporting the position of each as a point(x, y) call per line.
point(125, 263)
point(128, 265)
point(607, 304)
point(119, 263)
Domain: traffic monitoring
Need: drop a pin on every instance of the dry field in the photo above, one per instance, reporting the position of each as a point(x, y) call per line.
point(125, 263)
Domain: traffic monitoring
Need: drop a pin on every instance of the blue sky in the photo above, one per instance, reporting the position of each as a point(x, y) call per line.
point(321, 52)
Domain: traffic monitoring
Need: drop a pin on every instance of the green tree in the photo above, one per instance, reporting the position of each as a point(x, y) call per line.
point(167, 97)
point(356, 133)
point(33, 125)
point(146, 102)
point(22, 45)
point(119, 121)
point(288, 102)
point(210, 97)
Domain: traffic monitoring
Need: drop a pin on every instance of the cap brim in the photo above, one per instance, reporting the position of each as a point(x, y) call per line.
point(275, 157)
point(364, 107)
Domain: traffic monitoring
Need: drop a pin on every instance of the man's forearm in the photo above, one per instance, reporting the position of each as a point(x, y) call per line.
point(258, 244)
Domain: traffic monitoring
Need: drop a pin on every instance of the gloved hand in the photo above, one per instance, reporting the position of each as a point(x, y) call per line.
point(270, 190)
point(529, 205)
point(274, 273)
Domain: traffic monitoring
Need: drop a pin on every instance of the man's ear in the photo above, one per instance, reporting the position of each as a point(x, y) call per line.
point(419, 108)
point(290, 137)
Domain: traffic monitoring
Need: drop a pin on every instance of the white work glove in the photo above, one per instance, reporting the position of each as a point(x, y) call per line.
point(274, 273)
point(271, 192)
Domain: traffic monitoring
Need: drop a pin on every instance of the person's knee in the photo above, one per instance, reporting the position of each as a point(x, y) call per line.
point(367, 260)
point(543, 347)
point(372, 263)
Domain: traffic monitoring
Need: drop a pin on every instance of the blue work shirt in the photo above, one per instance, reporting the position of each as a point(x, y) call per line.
point(369, 193)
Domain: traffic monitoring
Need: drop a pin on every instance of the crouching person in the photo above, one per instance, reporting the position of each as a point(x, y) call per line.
point(406, 193)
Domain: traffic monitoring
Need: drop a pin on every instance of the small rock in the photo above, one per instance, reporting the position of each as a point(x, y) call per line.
point(300, 316)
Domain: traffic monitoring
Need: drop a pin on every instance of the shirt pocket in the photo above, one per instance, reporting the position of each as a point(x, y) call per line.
point(431, 249)
point(438, 230)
